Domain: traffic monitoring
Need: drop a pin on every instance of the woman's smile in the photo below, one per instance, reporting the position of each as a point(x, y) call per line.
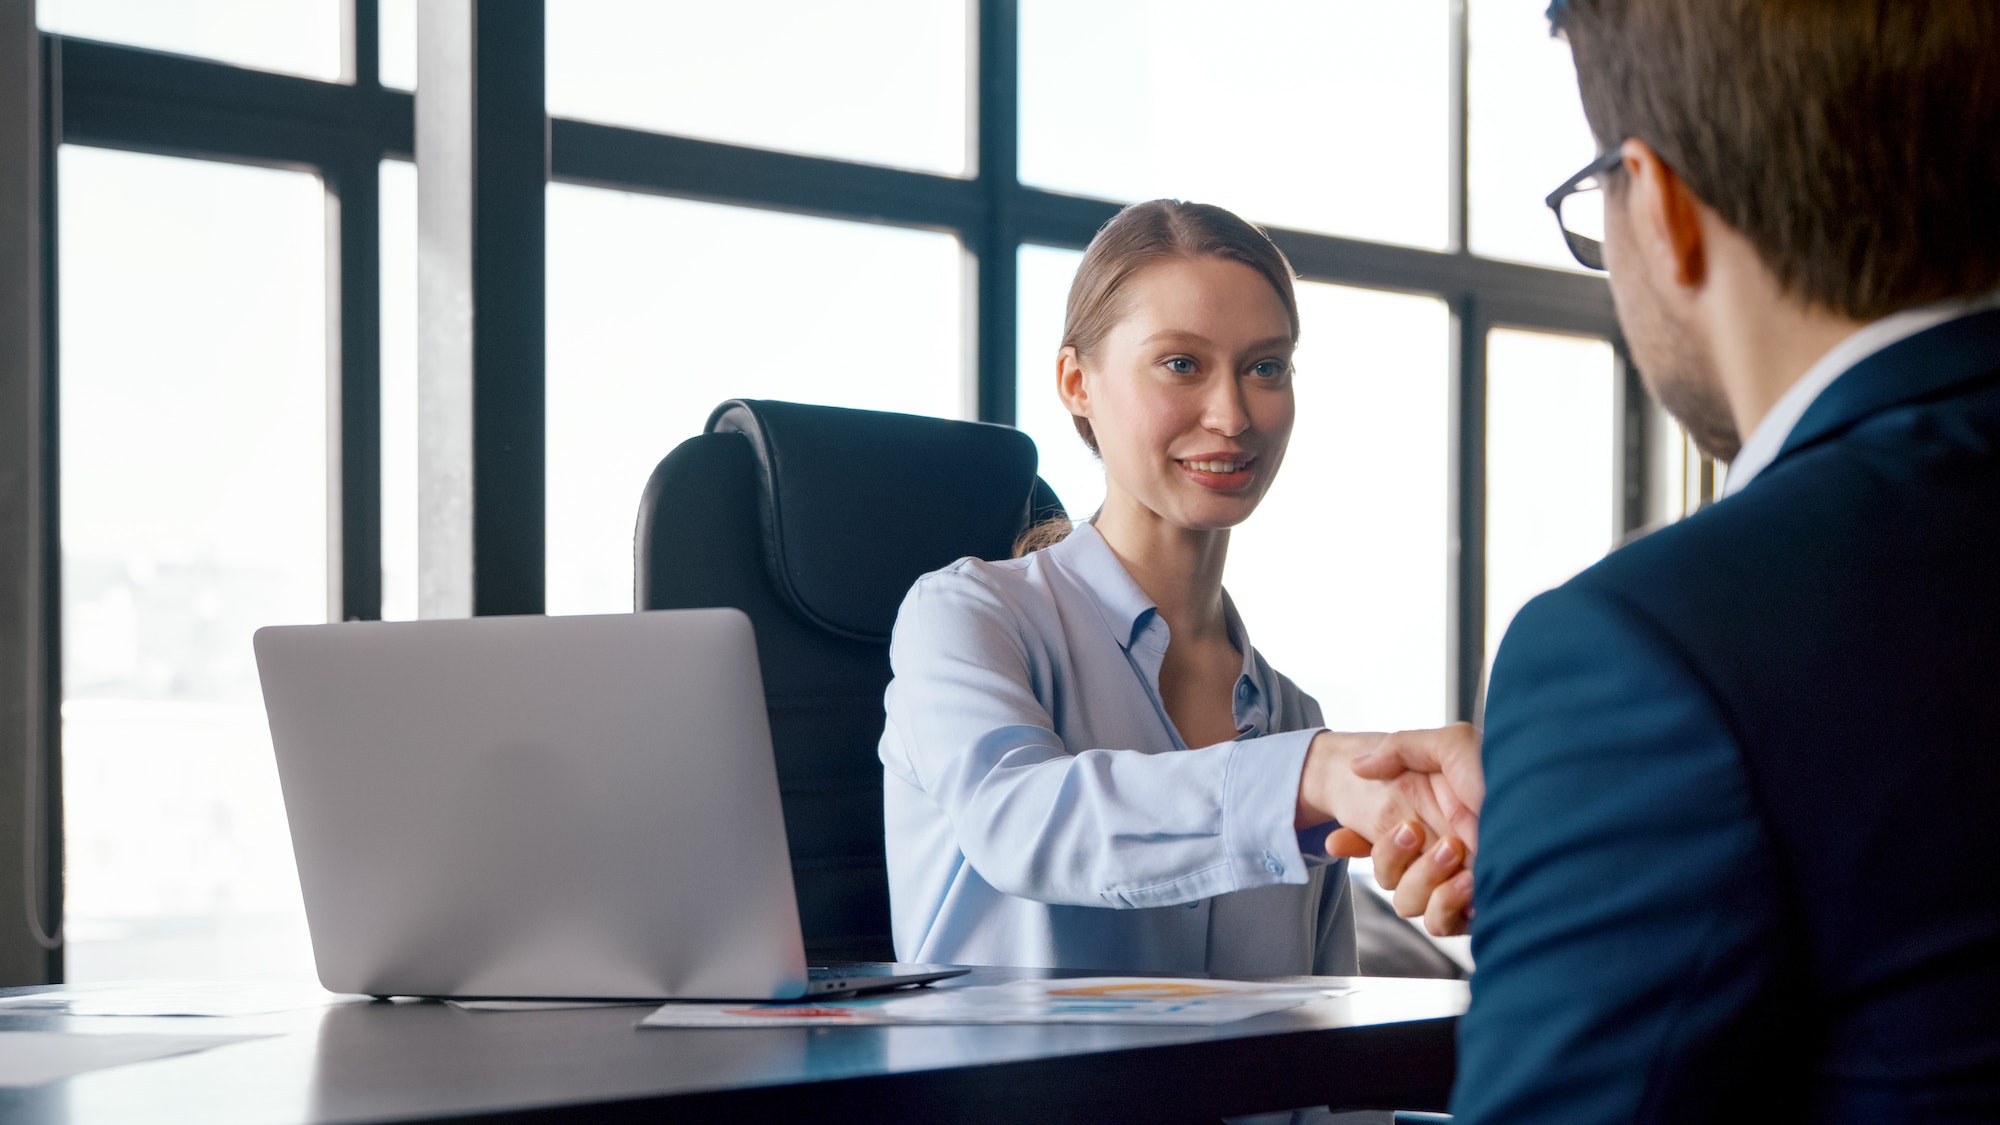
point(1222, 472)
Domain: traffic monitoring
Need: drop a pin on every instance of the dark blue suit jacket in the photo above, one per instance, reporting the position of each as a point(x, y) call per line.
point(1740, 854)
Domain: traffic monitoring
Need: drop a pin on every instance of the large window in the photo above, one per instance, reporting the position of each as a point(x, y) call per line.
point(1551, 472)
point(399, 390)
point(296, 36)
point(1066, 464)
point(883, 82)
point(1526, 132)
point(659, 309)
point(1341, 574)
point(1297, 113)
point(194, 511)
point(876, 205)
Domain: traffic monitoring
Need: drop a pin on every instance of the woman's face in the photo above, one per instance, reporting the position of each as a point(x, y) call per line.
point(1190, 395)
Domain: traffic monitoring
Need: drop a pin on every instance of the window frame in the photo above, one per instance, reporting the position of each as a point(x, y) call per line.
point(123, 97)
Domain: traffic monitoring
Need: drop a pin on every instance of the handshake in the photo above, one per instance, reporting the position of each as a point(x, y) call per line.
point(1409, 800)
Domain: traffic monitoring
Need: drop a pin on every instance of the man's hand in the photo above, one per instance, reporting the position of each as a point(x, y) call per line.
point(1426, 858)
point(1448, 757)
point(1435, 882)
point(1371, 783)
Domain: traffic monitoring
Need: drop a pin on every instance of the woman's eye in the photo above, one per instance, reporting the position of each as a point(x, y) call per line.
point(1181, 365)
point(1271, 369)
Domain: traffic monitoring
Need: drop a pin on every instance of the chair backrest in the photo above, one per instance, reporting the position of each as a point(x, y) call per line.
point(815, 521)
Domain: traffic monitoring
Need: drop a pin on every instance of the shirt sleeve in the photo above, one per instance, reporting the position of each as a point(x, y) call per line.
point(1625, 897)
point(1095, 826)
point(1300, 710)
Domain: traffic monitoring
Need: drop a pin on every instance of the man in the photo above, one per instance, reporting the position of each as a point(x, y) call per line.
point(1736, 859)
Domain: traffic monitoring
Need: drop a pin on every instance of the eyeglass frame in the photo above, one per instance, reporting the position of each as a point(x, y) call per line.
point(1588, 251)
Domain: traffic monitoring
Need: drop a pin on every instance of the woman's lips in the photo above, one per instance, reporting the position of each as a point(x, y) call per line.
point(1230, 472)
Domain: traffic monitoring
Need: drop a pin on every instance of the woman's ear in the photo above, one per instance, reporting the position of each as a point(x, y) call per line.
point(1070, 382)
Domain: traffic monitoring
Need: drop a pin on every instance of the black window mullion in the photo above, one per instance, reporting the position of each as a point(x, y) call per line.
point(354, 299)
point(354, 295)
point(362, 32)
point(1633, 448)
point(1459, 133)
point(1465, 613)
point(997, 241)
point(150, 101)
point(607, 156)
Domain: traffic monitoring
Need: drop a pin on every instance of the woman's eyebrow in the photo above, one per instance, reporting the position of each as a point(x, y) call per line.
point(1177, 335)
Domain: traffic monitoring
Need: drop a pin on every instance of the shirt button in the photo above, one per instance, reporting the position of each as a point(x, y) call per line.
point(1272, 865)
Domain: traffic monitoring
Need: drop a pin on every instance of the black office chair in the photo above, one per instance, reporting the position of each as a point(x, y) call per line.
point(815, 521)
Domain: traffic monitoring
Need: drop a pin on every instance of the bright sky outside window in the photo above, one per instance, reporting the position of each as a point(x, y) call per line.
point(659, 309)
point(1527, 131)
point(194, 511)
point(1343, 572)
point(293, 36)
point(884, 82)
point(398, 42)
point(1551, 473)
point(1294, 113)
point(1066, 463)
point(399, 390)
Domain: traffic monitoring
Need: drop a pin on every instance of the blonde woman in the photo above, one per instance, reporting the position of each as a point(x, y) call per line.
point(1088, 764)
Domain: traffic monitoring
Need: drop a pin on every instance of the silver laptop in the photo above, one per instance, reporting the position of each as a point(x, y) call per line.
point(541, 807)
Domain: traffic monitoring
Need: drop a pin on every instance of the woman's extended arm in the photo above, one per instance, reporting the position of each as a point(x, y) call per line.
point(1099, 826)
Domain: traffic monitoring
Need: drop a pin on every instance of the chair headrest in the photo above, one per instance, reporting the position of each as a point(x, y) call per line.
point(856, 504)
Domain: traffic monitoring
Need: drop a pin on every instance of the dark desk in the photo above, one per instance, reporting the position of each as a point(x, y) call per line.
point(1387, 1045)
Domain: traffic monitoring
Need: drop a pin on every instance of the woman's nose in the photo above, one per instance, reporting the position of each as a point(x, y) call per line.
point(1224, 410)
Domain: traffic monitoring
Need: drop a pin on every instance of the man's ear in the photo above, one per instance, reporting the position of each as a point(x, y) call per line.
point(1069, 382)
point(1665, 215)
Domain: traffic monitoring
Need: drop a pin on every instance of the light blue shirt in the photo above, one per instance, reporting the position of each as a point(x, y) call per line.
point(1042, 809)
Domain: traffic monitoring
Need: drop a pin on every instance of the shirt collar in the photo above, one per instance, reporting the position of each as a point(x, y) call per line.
point(1128, 612)
point(1768, 439)
point(1124, 606)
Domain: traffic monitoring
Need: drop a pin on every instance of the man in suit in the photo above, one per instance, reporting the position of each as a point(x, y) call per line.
point(1737, 850)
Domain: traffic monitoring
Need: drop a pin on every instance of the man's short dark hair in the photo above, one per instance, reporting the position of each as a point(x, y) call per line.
point(1855, 143)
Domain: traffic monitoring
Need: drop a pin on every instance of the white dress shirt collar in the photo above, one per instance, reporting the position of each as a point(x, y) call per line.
point(1764, 443)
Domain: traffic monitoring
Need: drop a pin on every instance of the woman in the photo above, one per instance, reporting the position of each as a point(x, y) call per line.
point(1087, 763)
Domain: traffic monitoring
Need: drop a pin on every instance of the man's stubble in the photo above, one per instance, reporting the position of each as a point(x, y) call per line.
point(1677, 371)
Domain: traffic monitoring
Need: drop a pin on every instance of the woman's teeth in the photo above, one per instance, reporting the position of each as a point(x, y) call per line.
point(1217, 466)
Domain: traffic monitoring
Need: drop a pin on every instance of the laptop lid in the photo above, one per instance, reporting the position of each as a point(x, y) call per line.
point(535, 806)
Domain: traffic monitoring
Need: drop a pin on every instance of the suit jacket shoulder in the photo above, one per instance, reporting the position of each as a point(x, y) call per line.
point(1834, 630)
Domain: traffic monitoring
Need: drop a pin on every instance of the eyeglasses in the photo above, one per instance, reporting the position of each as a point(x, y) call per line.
point(1579, 208)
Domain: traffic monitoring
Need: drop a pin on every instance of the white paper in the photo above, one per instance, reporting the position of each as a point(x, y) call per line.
point(1105, 1000)
point(1142, 1000)
point(30, 1058)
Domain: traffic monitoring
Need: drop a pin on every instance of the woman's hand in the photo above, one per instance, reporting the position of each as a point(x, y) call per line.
point(1402, 792)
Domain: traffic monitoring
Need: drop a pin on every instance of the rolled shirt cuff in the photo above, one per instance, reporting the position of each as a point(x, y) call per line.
point(1260, 801)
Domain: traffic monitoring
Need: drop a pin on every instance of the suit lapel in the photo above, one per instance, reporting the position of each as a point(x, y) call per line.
point(1926, 365)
